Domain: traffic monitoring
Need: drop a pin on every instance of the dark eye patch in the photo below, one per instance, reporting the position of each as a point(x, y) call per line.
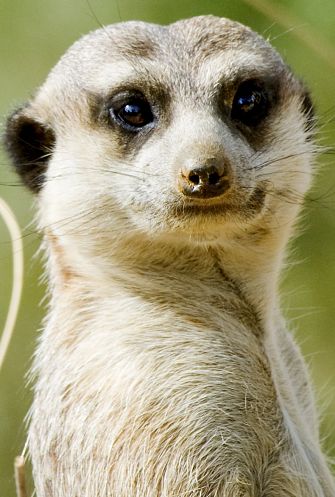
point(251, 103)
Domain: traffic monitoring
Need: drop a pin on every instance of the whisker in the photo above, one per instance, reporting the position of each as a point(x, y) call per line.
point(279, 159)
point(287, 31)
point(10, 184)
point(100, 171)
point(268, 29)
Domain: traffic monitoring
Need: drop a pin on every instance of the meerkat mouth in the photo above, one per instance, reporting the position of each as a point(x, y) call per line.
point(236, 205)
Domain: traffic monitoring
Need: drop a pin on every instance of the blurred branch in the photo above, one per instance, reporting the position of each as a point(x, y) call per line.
point(310, 37)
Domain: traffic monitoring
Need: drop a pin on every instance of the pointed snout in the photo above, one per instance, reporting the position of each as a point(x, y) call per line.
point(205, 179)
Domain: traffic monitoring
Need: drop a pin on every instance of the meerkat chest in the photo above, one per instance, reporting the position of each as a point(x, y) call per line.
point(154, 392)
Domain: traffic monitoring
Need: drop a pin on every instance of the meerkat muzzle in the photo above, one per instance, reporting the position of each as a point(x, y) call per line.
point(207, 180)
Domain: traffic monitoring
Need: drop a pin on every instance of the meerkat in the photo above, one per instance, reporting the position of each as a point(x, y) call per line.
point(168, 164)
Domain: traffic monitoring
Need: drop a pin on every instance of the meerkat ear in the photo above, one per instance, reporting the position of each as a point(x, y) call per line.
point(29, 144)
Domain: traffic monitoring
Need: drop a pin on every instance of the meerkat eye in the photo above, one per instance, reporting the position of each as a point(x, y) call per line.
point(134, 113)
point(251, 104)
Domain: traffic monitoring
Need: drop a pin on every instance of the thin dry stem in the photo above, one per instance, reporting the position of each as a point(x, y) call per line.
point(20, 477)
point(17, 251)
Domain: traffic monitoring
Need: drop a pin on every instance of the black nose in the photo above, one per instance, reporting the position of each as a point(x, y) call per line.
point(204, 181)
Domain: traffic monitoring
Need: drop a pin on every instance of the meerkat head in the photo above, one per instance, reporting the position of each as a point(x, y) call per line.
point(195, 129)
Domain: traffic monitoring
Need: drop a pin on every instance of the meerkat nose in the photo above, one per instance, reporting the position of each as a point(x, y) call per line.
point(207, 180)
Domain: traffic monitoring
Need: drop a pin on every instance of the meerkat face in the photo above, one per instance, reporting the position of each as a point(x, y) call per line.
point(193, 128)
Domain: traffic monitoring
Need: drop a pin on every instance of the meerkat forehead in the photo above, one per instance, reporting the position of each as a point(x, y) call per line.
point(182, 55)
point(198, 37)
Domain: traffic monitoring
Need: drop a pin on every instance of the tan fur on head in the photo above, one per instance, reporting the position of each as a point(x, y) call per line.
point(164, 368)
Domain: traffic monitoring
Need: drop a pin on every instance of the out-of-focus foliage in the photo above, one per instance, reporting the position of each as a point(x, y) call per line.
point(33, 35)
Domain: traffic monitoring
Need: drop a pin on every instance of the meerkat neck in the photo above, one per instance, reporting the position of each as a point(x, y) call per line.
point(251, 271)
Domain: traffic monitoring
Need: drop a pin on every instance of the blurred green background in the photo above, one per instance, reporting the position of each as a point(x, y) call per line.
point(33, 35)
